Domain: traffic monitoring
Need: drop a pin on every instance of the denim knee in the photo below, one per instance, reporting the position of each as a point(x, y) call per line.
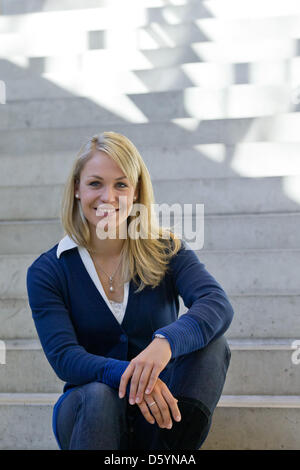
point(97, 392)
point(90, 417)
point(201, 374)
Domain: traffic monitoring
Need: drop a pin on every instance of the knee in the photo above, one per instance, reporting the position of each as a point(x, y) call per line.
point(215, 356)
point(97, 395)
point(98, 391)
point(220, 348)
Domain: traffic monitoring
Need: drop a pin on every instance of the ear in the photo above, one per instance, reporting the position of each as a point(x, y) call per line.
point(76, 185)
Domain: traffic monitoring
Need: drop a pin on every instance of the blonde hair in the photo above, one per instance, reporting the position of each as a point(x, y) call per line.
point(145, 260)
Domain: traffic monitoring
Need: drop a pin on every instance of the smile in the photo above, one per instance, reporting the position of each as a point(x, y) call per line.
point(102, 212)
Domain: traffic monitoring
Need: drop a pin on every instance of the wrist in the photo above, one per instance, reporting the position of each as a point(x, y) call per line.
point(160, 339)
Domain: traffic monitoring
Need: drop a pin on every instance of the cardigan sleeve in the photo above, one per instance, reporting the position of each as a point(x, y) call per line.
point(69, 360)
point(209, 310)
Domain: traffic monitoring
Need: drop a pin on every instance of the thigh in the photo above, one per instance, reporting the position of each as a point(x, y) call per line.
point(92, 416)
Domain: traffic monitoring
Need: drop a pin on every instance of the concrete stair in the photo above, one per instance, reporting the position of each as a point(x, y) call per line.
point(208, 93)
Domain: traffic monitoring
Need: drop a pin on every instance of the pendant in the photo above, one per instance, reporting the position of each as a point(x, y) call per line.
point(111, 289)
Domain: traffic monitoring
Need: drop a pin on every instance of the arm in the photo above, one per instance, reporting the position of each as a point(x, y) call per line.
point(210, 312)
point(209, 315)
point(70, 361)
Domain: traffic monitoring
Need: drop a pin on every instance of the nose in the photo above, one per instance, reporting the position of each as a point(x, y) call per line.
point(107, 194)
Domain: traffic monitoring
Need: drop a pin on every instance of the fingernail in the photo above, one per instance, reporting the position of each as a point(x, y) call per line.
point(131, 401)
point(148, 390)
point(178, 418)
point(169, 426)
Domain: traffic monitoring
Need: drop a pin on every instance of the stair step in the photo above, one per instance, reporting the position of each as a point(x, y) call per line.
point(232, 10)
point(253, 160)
point(264, 322)
point(259, 367)
point(235, 419)
point(226, 401)
point(254, 428)
point(144, 28)
point(179, 87)
point(179, 63)
point(82, 17)
point(257, 272)
point(200, 103)
point(281, 128)
point(211, 52)
point(13, 7)
point(244, 196)
point(228, 232)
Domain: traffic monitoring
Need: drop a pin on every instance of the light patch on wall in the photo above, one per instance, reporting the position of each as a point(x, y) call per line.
point(235, 9)
point(291, 187)
point(122, 106)
point(189, 124)
point(214, 152)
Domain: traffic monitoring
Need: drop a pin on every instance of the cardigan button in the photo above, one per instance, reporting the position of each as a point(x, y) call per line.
point(123, 338)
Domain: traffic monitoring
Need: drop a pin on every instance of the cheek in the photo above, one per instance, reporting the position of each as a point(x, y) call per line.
point(87, 195)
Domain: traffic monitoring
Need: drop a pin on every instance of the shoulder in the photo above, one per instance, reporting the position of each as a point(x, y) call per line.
point(184, 258)
point(46, 268)
point(45, 258)
point(184, 251)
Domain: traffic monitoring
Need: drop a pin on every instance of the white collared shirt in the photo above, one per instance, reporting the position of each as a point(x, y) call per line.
point(117, 308)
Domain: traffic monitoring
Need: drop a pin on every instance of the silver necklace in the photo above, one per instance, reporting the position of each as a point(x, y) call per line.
point(110, 278)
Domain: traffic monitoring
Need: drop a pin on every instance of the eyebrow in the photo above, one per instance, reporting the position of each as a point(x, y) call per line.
point(100, 177)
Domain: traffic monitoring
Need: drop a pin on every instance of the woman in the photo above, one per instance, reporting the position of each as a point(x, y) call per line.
point(105, 305)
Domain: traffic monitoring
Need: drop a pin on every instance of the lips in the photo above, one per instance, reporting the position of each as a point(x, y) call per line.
point(103, 212)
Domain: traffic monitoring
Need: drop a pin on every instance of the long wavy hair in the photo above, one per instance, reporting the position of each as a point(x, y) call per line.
point(145, 259)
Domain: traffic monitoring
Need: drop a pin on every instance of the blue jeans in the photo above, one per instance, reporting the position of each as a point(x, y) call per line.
point(93, 417)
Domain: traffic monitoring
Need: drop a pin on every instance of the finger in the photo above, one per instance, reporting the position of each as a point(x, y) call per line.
point(155, 411)
point(152, 380)
point(172, 403)
point(146, 413)
point(134, 383)
point(124, 380)
point(144, 378)
point(164, 410)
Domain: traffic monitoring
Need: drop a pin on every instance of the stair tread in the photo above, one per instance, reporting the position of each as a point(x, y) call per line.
point(264, 401)
point(234, 343)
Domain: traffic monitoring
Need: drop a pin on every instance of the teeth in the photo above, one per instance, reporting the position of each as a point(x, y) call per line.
point(105, 211)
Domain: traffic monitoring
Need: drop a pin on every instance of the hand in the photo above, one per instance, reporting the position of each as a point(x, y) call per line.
point(160, 410)
point(145, 369)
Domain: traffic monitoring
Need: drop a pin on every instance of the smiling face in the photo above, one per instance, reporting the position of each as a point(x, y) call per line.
point(104, 191)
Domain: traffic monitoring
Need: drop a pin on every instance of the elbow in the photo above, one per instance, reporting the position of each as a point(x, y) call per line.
point(228, 313)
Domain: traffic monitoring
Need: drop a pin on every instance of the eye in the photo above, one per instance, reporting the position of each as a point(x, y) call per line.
point(119, 185)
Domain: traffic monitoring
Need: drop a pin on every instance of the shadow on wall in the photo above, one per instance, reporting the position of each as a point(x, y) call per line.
point(15, 7)
point(44, 122)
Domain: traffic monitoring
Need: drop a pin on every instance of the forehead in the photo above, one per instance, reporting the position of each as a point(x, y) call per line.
point(100, 164)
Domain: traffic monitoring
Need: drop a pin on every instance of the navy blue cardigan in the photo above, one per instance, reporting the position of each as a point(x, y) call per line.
point(82, 339)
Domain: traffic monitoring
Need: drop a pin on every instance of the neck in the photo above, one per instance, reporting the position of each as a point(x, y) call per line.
point(108, 248)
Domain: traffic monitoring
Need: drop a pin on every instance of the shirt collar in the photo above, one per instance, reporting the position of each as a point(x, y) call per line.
point(65, 244)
